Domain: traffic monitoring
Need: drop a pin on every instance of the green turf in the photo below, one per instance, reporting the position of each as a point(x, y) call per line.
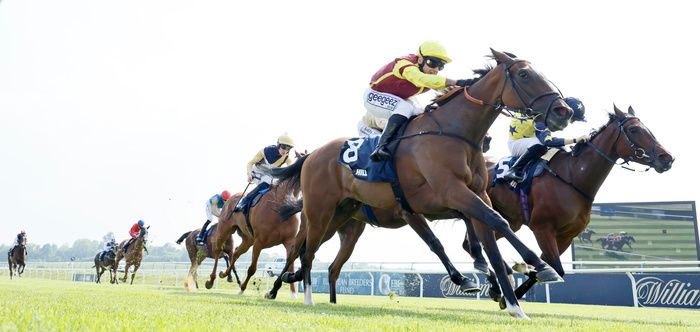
point(50, 305)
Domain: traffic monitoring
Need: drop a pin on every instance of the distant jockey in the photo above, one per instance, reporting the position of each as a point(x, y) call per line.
point(214, 206)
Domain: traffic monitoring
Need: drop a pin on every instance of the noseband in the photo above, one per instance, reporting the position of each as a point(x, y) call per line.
point(639, 154)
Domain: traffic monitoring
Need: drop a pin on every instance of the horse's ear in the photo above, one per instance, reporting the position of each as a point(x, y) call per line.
point(630, 111)
point(618, 113)
point(149, 226)
point(501, 57)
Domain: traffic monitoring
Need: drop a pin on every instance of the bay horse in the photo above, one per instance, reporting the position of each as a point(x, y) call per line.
point(198, 255)
point(560, 200)
point(133, 256)
point(267, 229)
point(107, 263)
point(16, 258)
point(434, 182)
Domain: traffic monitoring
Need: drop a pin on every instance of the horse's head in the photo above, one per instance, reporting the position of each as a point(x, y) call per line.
point(527, 90)
point(143, 235)
point(638, 144)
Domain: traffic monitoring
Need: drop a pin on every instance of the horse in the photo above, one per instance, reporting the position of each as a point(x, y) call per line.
point(560, 201)
point(107, 263)
point(433, 182)
point(16, 259)
point(133, 256)
point(616, 242)
point(585, 236)
point(266, 229)
point(198, 255)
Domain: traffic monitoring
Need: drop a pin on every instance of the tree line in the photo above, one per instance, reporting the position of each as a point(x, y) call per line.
point(84, 250)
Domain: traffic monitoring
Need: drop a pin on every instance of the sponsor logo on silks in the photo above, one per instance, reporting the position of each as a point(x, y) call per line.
point(450, 289)
point(382, 101)
point(361, 172)
point(653, 291)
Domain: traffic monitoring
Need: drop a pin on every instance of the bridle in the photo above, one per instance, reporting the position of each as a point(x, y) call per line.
point(639, 154)
point(519, 91)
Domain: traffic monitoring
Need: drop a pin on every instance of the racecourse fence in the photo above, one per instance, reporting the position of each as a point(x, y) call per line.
point(649, 284)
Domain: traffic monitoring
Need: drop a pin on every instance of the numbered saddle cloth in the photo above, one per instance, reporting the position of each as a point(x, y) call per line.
point(355, 155)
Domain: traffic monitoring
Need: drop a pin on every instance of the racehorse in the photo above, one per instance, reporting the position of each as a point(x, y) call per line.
point(107, 263)
point(560, 201)
point(434, 182)
point(266, 229)
point(198, 255)
point(585, 236)
point(16, 257)
point(133, 256)
point(616, 242)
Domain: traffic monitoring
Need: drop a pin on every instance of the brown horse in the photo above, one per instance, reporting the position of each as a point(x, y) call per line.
point(434, 183)
point(268, 230)
point(560, 201)
point(133, 256)
point(107, 263)
point(198, 255)
point(16, 259)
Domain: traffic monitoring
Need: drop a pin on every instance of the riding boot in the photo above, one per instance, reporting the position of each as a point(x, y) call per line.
point(249, 197)
point(202, 232)
point(394, 123)
point(517, 171)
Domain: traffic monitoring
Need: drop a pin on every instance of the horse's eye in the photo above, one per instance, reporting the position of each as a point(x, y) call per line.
point(634, 130)
point(523, 74)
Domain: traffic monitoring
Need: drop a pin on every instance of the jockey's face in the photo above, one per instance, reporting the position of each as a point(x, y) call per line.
point(431, 67)
point(284, 149)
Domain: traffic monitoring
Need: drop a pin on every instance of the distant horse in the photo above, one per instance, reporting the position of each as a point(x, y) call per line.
point(560, 200)
point(197, 256)
point(434, 182)
point(133, 256)
point(585, 236)
point(107, 263)
point(268, 230)
point(616, 242)
point(16, 258)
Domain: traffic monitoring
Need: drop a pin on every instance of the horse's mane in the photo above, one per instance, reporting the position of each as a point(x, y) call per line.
point(479, 74)
point(578, 148)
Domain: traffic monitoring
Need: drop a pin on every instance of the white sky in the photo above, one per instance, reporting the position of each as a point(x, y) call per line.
point(114, 111)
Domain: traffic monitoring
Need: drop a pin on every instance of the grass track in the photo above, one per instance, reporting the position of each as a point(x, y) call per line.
point(46, 305)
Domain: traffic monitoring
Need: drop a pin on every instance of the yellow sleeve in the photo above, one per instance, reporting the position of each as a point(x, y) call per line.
point(258, 157)
point(418, 78)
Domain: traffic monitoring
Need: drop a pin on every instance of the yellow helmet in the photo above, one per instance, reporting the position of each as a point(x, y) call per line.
point(285, 139)
point(434, 49)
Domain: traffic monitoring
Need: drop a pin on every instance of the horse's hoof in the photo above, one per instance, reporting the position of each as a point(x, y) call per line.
point(495, 295)
point(208, 284)
point(502, 303)
point(548, 276)
point(468, 286)
point(229, 279)
point(270, 295)
point(222, 274)
point(482, 267)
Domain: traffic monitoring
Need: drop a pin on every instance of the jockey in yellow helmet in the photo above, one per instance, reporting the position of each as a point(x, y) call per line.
point(404, 77)
point(258, 168)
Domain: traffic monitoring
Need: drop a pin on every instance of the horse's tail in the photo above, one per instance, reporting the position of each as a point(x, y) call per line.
point(291, 174)
point(182, 238)
point(290, 208)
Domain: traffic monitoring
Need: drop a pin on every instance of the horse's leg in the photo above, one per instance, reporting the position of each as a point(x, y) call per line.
point(472, 246)
point(242, 248)
point(222, 236)
point(227, 258)
point(292, 255)
point(100, 271)
point(257, 248)
point(133, 274)
point(471, 205)
point(9, 263)
point(420, 226)
point(126, 271)
point(547, 240)
point(349, 233)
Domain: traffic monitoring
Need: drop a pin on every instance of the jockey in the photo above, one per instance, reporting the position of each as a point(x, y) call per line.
point(20, 239)
point(259, 167)
point(214, 206)
point(529, 140)
point(109, 246)
point(134, 232)
point(404, 77)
